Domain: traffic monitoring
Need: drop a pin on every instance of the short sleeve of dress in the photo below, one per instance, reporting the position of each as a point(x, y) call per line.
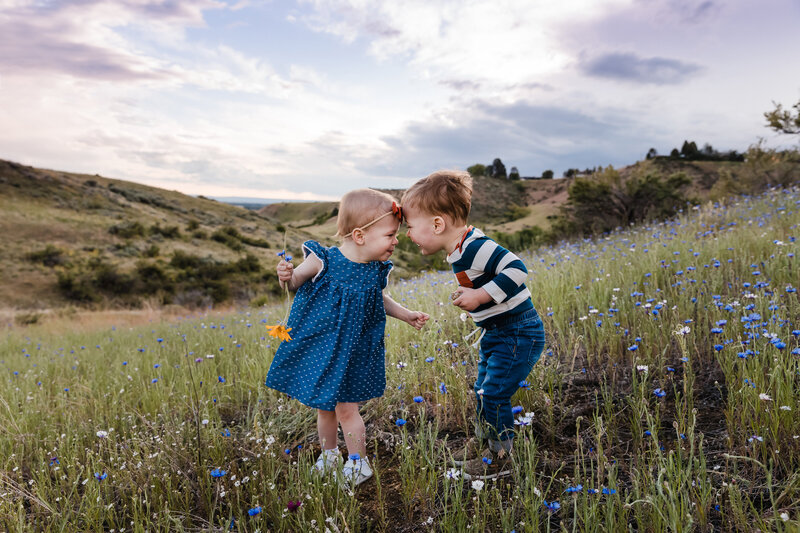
point(320, 252)
point(385, 268)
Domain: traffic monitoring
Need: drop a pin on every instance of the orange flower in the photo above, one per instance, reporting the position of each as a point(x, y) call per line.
point(280, 331)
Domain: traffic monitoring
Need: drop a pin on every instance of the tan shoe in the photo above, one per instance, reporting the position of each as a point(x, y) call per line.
point(470, 450)
point(489, 465)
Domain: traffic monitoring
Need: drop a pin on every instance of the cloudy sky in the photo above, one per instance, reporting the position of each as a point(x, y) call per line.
point(308, 99)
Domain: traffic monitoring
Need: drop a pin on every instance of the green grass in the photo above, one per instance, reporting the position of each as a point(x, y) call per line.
point(718, 450)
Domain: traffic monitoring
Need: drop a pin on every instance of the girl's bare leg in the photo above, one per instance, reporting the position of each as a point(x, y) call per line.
point(355, 434)
point(328, 429)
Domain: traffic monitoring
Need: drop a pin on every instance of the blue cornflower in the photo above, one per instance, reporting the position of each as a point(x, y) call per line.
point(418, 399)
point(156, 365)
point(647, 432)
point(552, 506)
point(429, 359)
point(487, 460)
point(633, 348)
point(281, 253)
point(355, 457)
point(124, 363)
point(154, 380)
point(159, 339)
point(442, 388)
point(592, 491)
point(718, 347)
point(524, 384)
point(220, 379)
point(659, 392)
point(254, 511)
point(218, 472)
point(716, 330)
point(516, 409)
point(576, 488)
point(400, 422)
point(100, 477)
point(609, 491)
point(226, 432)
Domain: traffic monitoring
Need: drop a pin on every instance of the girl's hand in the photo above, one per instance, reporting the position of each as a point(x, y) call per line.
point(285, 271)
point(468, 299)
point(417, 319)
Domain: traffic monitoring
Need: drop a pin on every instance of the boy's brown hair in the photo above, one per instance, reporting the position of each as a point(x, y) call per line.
point(359, 207)
point(445, 192)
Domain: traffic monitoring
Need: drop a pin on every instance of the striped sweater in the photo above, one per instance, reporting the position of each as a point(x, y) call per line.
point(480, 263)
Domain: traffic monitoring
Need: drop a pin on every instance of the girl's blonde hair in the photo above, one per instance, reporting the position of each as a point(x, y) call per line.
point(445, 192)
point(360, 207)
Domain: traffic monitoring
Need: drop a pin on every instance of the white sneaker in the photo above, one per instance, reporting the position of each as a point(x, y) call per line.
point(328, 460)
point(356, 471)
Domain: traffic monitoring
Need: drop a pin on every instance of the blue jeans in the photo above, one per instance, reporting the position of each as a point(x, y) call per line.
point(509, 349)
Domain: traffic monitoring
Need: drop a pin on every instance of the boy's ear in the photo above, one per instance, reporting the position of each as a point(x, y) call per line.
point(439, 224)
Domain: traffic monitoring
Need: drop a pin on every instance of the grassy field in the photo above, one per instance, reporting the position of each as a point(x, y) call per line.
point(666, 400)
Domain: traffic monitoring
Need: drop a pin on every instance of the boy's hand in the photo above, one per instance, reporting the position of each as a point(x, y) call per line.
point(468, 299)
point(417, 319)
point(285, 271)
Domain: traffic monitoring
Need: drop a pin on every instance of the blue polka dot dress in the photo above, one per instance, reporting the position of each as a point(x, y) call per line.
point(337, 352)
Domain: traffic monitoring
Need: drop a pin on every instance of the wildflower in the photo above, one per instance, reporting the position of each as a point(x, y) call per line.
point(576, 488)
point(683, 331)
point(452, 474)
point(756, 437)
point(401, 365)
point(524, 384)
point(477, 485)
point(442, 388)
point(785, 408)
point(226, 432)
point(552, 506)
point(487, 460)
point(293, 506)
point(642, 368)
point(280, 331)
point(400, 422)
point(429, 359)
point(718, 347)
point(218, 472)
point(418, 399)
point(220, 379)
point(592, 491)
point(100, 477)
point(633, 348)
point(516, 409)
point(54, 461)
point(659, 392)
point(254, 511)
point(609, 491)
point(102, 434)
point(764, 396)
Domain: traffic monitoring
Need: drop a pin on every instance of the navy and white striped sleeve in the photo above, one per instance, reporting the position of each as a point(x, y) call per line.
point(510, 274)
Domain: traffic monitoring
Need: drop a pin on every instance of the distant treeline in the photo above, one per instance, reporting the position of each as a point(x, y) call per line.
point(690, 152)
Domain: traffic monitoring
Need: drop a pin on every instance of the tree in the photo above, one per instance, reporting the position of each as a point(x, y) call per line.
point(513, 174)
point(783, 120)
point(477, 170)
point(675, 153)
point(651, 153)
point(497, 169)
point(689, 149)
point(547, 175)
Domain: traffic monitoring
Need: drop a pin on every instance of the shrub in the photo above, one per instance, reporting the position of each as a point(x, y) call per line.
point(128, 230)
point(168, 232)
point(51, 256)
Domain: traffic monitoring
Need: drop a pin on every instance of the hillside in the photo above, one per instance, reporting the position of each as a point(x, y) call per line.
point(55, 223)
point(92, 241)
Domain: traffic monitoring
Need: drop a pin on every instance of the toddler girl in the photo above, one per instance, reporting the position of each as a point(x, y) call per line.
point(336, 356)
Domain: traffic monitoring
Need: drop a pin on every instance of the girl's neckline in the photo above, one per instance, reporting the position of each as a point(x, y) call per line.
point(354, 262)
